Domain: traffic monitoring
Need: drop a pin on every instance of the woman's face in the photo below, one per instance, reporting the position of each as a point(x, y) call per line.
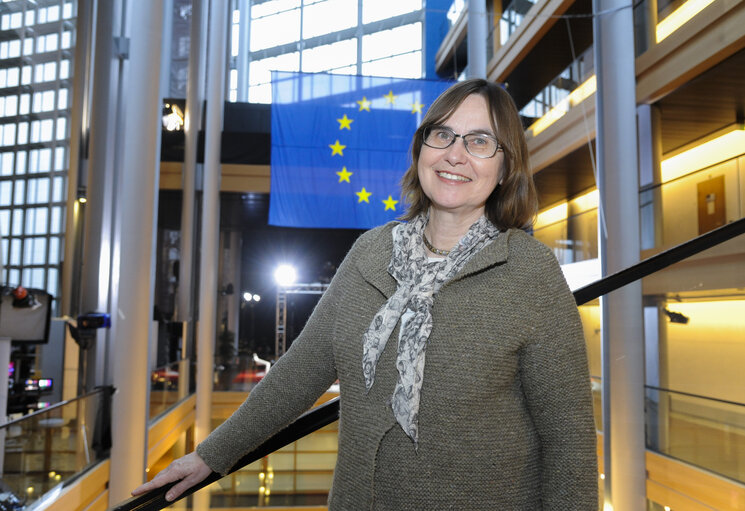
point(454, 180)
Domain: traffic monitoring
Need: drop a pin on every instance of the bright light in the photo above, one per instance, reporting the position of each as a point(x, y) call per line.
point(174, 121)
point(552, 215)
point(679, 17)
point(285, 275)
point(251, 297)
point(710, 152)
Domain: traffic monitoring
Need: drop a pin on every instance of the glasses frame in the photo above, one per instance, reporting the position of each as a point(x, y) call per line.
point(426, 131)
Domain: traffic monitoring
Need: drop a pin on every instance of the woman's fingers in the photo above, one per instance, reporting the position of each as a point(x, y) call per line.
point(190, 469)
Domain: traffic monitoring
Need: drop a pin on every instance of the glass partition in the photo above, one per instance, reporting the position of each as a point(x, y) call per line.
point(45, 450)
point(170, 384)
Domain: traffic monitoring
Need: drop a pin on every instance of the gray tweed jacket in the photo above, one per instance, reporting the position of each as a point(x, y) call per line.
point(505, 419)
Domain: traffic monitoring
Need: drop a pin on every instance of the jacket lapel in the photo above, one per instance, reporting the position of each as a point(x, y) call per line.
point(494, 253)
point(373, 265)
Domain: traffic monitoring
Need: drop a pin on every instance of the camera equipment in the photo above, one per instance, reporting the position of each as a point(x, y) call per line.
point(87, 324)
point(25, 314)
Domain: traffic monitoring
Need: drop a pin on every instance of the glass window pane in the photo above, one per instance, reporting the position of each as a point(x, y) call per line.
point(64, 70)
point(34, 251)
point(53, 13)
point(56, 223)
point(330, 56)
point(59, 189)
point(260, 70)
point(52, 40)
point(4, 50)
point(62, 99)
point(5, 188)
point(260, 93)
point(50, 71)
point(14, 276)
point(328, 16)
point(15, 252)
point(18, 195)
point(38, 190)
point(66, 39)
point(36, 278)
point(392, 42)
point(374, 10)
point(5, 22)
point(11, 105)
point(21, 162)
point(22, 133)
point(30, 17)
point(25, 104)
point(6, 164)
point(26, 76)
point(13, 77)
point(402, 66)
point(4, 225)
point(272, 7)
point(275, 30)
point(67, 11)
point(59, 159)
point(52, 278)
point(45, 160)
point(16, 228)
point(16, 20)
point(28, 46)
point(47, 127)
point(14, 48)
point(47, 101)
point(3, 78)
point(61, 128)
point(9, 134)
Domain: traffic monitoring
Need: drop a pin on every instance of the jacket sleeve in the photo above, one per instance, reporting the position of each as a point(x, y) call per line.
point(290, 388)
point(556, 383)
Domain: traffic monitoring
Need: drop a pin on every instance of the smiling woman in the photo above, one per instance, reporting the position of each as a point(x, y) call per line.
point(460, 289)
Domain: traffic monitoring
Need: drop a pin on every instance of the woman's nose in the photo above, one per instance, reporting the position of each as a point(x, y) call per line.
point(456, 153)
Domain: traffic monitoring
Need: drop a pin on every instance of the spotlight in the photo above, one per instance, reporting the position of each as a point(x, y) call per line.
point(285, 275)
point(257, 298)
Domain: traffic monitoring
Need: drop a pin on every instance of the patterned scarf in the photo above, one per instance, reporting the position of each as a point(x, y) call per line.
point(418, 281)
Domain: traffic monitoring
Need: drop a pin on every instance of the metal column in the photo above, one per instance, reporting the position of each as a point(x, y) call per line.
point(477, 37)
point(622, 325)
point(210, 229)
point(134, 250)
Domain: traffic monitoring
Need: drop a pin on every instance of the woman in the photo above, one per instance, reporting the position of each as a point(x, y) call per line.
point(456, 342)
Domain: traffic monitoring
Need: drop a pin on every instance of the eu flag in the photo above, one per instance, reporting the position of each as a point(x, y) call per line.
point(340, 145)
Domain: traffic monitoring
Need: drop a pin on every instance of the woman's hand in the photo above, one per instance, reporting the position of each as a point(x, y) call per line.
point(190, 469)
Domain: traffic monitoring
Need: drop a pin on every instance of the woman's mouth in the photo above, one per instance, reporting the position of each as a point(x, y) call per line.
point(452, 177)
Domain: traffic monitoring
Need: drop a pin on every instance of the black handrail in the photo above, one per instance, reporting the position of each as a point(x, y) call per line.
point(659, 261)
point(329, 412)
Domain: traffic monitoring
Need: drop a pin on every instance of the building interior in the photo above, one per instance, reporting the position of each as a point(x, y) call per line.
point(135, 179)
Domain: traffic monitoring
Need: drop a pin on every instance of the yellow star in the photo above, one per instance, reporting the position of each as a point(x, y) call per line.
point(344, 175)
point(416, 107)
point(390, 97)
point(337, 148)
point(364, 104)
point(390, 203)
point(345, 122)
point(364, 195)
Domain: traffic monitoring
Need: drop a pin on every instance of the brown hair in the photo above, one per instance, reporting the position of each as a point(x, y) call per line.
point(514, 202)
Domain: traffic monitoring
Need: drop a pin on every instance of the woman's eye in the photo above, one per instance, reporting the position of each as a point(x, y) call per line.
point(442, 135)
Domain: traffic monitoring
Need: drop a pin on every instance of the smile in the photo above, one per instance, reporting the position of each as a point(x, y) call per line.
point(451, 177)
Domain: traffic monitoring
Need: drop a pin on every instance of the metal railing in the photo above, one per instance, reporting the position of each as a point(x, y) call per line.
point(329, 412)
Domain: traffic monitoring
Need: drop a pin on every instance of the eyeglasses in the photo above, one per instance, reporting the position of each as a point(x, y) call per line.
point(479, 145)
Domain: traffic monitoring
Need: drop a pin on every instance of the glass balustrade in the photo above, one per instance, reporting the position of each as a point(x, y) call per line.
point(170, 384)
point(47, 449)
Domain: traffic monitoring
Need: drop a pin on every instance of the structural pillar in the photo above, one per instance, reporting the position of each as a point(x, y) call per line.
point(477, 37)
point(216, 66)
point(134, 249)
point(621, 319)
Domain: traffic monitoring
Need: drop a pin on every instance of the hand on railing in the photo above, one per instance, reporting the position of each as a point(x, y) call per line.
point(189, 470)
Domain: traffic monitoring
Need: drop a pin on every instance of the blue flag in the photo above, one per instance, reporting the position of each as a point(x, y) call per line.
point(340, 145)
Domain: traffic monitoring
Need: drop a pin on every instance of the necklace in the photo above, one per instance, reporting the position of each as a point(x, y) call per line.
point(433, 249)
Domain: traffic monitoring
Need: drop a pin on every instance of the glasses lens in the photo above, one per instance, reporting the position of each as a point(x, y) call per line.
point(437, 137)
point(481, 146)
